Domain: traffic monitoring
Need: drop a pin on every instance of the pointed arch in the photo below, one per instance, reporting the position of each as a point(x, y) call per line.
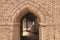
point(31, 8)
point(21, 10)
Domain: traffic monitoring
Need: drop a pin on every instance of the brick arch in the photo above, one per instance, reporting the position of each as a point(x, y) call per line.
point(21, 11)
point(17, 18)
point(32, 5)
point(34, 10)
point(25, 10)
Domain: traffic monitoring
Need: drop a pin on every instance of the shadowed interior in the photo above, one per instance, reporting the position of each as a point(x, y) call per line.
point(29, 29)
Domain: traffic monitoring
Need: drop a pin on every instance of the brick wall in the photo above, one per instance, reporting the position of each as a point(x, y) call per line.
point(48, 11)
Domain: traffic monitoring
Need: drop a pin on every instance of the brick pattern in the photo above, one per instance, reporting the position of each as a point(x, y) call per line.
point(46, 10)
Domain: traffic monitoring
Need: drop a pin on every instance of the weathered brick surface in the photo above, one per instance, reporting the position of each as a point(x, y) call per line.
point(47, 10)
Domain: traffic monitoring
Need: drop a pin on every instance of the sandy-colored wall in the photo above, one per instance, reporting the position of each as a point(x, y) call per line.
point(52, 8)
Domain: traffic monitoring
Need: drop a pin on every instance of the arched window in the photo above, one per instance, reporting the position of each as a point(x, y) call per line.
point(29, 29)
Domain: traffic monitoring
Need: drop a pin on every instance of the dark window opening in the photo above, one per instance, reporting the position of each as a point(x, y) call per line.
point(29, 29)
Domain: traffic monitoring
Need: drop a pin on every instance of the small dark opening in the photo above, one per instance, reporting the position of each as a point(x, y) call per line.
point(29, 29)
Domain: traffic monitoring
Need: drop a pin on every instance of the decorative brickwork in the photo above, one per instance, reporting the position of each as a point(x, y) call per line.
point(47, 12)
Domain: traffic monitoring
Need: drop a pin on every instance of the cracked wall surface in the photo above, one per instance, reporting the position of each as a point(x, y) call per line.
point(49, 11)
